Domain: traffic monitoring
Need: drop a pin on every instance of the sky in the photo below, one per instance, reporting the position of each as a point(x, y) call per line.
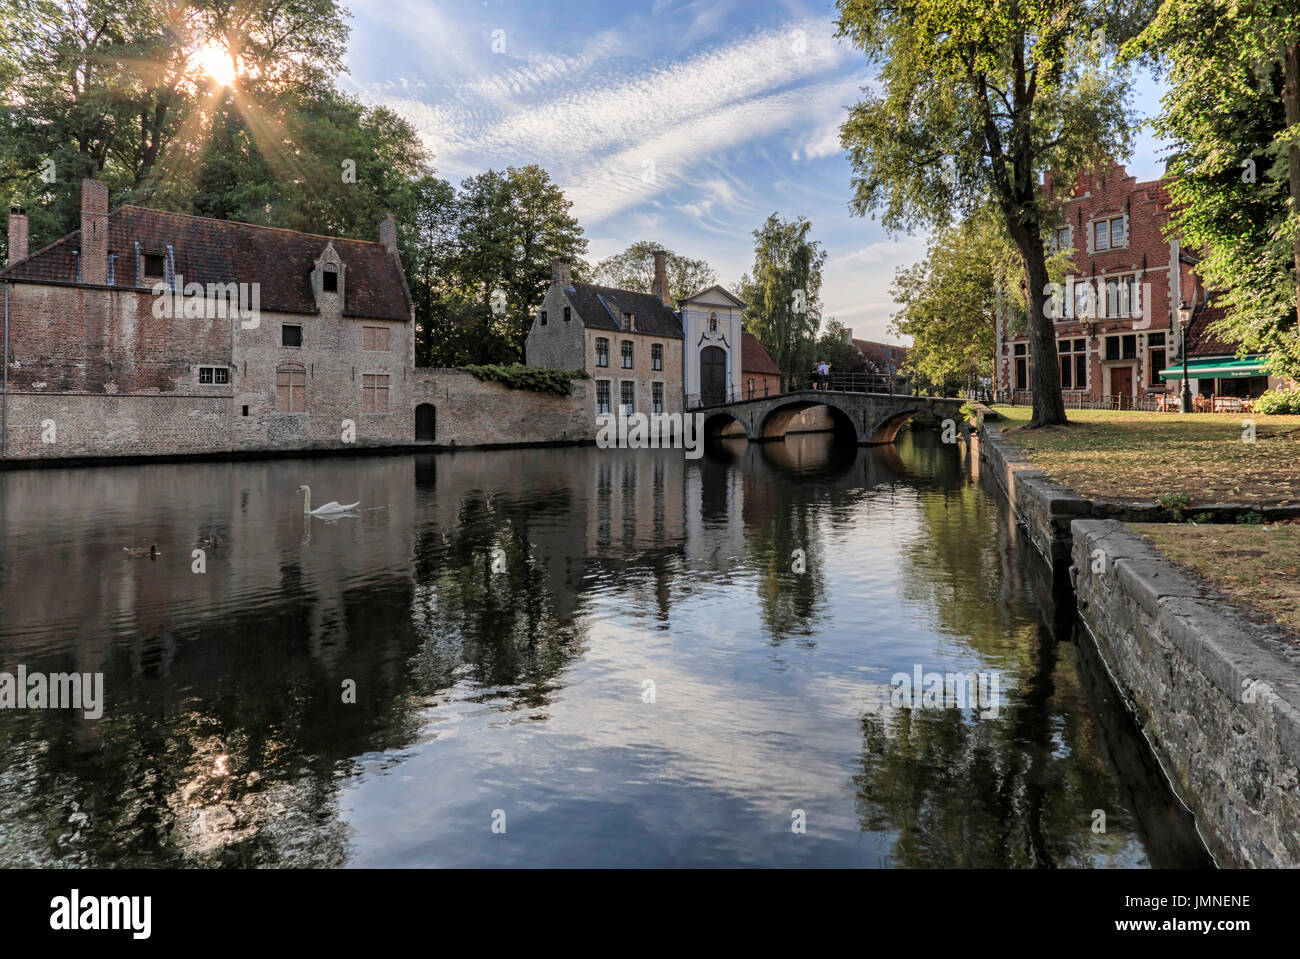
point(687, 122)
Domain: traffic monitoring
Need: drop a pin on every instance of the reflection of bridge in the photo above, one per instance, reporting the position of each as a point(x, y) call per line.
point(871, 417)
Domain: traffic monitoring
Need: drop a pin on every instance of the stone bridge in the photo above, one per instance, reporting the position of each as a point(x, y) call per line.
point(870, 418)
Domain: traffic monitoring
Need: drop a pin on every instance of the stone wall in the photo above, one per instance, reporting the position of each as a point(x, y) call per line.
point(69, 426)
point(474, 412)
point(1217, 695)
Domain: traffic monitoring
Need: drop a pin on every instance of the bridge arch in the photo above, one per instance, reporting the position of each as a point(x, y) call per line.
point(869, 419)
point(776, 421)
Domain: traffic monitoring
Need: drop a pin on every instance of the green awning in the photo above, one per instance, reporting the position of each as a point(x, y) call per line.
point(1216, 369)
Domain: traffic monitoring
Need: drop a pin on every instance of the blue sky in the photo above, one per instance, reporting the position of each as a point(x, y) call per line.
point(683, 121)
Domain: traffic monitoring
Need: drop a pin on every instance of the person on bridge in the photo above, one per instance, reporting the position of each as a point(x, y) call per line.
point(823, 375)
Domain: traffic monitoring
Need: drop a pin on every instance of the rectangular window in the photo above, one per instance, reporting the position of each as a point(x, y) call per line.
point(155, 265)
point(1156, 356)
point(1074, 364)
point(290, 335)
point(629, 321)
point(374, 393)
point(1121, 347)
point(214, 374)
point(374, 338)
point(657, 397)
point(1084, 305)
point(602, 351)
point(1063, 238)
point(656, 356)
point(627, 396)
point(1101, 233)
point(330, 281)
point(205, 374)
point(566, 314)
point(602, 396)
point(1021, 351)
point(1108, 234)
point(626, 354)
point(543, 317)
point(291, 391)
point(1117, 233)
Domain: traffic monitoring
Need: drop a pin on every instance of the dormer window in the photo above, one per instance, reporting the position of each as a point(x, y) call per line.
point(154, 265)
point(330, 281)
point(629, 321)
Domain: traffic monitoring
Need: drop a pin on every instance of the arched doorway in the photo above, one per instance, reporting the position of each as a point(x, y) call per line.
point(713, 375)
point(425, 421)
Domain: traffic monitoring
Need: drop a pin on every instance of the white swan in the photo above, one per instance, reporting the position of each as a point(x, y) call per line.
point(329, 509)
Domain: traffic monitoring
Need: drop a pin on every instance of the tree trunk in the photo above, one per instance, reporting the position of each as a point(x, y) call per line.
point(1291, 101)
point(1045, 377)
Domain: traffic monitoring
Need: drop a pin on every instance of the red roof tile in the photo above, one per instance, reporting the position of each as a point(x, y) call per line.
point(223, 251)
point(755, 359)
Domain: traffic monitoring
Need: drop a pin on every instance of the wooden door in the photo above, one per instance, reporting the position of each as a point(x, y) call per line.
point(425, 418)
point(713, 375)
point(1121, 384)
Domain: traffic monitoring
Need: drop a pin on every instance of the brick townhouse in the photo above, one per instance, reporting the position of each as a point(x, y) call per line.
point(629, 343)
point(1118, 329)
point(148, 332)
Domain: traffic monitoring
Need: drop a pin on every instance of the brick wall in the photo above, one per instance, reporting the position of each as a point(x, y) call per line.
point(1155, 263)
point(474, 412)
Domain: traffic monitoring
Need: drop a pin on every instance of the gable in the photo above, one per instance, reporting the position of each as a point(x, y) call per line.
point(715, 296)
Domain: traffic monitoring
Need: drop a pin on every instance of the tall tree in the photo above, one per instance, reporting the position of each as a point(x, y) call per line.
point(511, 225)
point(1233, 114)
point(783, 295)
point(950, 301)
point(976, 99)
point(634, 269)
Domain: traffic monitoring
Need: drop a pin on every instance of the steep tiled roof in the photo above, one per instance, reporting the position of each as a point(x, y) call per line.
point(602, 308)
point(879, 353)
point(755, 359)
point(221, 251)
point(1201, 342)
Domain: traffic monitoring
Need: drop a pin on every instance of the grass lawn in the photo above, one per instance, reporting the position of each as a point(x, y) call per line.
point(1255, 566)
point(1131, 455)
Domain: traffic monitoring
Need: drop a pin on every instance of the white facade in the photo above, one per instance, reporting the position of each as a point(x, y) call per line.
point(711, 318)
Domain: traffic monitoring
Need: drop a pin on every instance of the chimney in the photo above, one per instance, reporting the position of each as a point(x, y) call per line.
point(94, 232)
point(17, 234)
point(561, 275)
point(660, 285)
point(388, 233)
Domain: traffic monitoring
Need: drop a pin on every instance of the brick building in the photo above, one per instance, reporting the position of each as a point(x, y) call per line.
point(630, 343)
point(147, 332)
point(1117, 327)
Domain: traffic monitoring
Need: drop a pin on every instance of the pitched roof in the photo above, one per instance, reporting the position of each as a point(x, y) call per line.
point(721, 289)
point(755, 359)
point(602, 308)
point(1201, 342)
point(883, 355)
point(223, 251)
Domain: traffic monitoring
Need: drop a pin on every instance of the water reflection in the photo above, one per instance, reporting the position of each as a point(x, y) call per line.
point(498, 616)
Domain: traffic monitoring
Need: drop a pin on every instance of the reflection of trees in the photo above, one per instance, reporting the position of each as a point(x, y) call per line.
point(486, 605)
point(1016, 790)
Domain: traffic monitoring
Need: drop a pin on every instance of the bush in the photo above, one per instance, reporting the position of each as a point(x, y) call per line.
point(1278, 401)
point(1175, 503)
point(535, 378)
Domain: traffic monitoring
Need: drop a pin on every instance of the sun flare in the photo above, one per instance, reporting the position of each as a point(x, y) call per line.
point(215, 61)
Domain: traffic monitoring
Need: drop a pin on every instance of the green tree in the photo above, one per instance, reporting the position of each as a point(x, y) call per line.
point(510, 226)
point(783, 295)
point(1233, 115)
point(835, 346)
point(949, 302)
point(634, 269)
point(976, 99)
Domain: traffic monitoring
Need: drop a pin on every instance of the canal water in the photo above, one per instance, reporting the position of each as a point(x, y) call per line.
point(558, 657)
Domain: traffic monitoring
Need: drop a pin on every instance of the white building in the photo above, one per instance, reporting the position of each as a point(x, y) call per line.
point(711, 353)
